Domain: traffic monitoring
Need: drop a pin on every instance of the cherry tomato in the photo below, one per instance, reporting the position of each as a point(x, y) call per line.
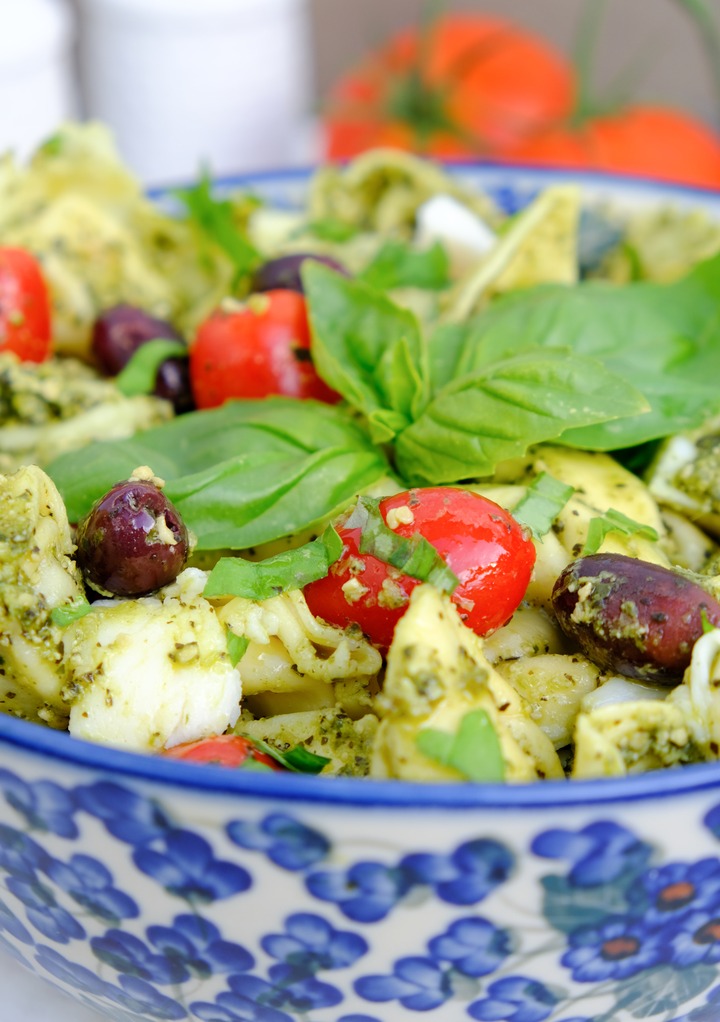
point(256, 349)
point(25, 326)
point(221, 750)
point(482, 544)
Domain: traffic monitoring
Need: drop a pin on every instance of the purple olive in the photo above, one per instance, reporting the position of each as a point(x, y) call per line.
point(118, 333)
point(132, 541)
point(284, 272)
point(632, 617)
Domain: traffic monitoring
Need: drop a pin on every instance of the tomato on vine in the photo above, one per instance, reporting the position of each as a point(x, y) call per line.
point(463, 85)
point(255, 349)
point(489, 552)
point(25, 317)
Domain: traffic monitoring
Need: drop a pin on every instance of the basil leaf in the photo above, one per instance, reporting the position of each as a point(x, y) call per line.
point(364, 346)
point(255, 765)
point(477, 421)
point(413, 555)
point(301, 462)
point(138, 376)
point(542, 503)
point(69, 612)
point(446, 350)
point(291, 569)
point(663, 339)
point(398, 265)
point(215, 218)
point(236, 646)
point(329, 229)
point(298, 759)
point(614, 521)
point(475, 751)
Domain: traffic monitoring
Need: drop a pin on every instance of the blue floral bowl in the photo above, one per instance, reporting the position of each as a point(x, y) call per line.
point(155, 889)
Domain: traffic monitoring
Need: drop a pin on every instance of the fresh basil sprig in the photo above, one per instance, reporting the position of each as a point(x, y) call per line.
point(474, 751)
point(215, 218)
point(662, 339)
point(367, 348)
point(413, 555)
point(139, 375)
point(291, 569)
point(501, 409)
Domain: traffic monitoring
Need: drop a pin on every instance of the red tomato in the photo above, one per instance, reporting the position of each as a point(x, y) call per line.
point(221, 750)
point(259, 348)
point(25, 326)
point(483, 545)
point(475, 85)
point(649, 141)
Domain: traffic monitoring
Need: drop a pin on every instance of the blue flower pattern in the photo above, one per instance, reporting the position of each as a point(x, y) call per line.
point(623, 920)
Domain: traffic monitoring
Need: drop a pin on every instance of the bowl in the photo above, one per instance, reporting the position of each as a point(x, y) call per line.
point(155, 889)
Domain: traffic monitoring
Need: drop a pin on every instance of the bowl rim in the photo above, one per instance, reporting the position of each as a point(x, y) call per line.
point(118, 764)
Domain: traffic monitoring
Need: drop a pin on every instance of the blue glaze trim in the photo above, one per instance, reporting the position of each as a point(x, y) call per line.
point(542, 795)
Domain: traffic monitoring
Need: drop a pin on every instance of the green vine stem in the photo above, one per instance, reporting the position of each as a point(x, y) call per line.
point(709, 32)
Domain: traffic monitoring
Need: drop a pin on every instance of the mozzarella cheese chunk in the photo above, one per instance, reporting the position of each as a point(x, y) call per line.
point(464, 234)
point(151, 673)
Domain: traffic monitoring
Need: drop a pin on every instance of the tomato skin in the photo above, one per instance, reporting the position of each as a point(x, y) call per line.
point(25, 318)
point(221, 750)
point(483, 545)
point(256, 349)
point(488, 84)
point(653, 142)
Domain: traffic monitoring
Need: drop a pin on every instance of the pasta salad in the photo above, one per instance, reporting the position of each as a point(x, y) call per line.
point(394, 484)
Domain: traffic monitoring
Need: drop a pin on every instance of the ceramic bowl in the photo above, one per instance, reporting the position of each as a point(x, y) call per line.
point(154, 889)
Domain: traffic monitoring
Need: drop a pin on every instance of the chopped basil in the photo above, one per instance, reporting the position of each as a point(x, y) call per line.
point(291, 569)
point(542, 503)
point(298, 759)
point(140, 373)
point(69, 612)
point(253, 764)
point(236, 646)
point(474, 751)
point(707, 625)
point(614, 521)
point(413, 555)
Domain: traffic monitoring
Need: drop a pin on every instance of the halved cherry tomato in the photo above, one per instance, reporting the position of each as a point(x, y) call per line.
point(481, 543)
point(222, 750)
point(25, 325)
point(255, 349)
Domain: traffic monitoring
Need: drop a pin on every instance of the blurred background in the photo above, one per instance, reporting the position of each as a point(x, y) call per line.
point(245, 84)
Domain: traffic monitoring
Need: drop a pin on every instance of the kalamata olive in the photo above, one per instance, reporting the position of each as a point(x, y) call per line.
point(117, 334)
point(633, 617)
point(284, 271)
point(132, 541)
point(173, 383)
